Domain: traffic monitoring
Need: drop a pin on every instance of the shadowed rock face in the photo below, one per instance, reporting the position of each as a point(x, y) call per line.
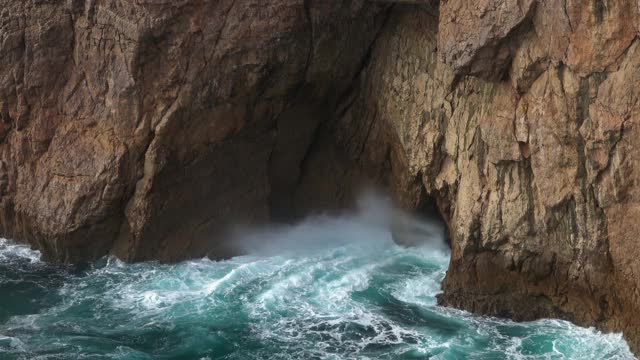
point(145, 128)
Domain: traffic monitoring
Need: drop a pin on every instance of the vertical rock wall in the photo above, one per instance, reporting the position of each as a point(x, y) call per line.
point(521, 118)
point(144, 128)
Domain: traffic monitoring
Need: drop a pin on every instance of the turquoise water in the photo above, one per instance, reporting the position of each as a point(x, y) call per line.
point(328, 288)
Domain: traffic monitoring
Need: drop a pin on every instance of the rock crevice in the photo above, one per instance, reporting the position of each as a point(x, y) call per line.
point(145, 129)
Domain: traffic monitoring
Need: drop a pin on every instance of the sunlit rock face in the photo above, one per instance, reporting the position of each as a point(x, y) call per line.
point(520, 118)
point(145, 128)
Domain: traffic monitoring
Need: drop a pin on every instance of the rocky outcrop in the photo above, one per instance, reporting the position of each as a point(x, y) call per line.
point(520, 119)
point(142, 128)
point(145, 128)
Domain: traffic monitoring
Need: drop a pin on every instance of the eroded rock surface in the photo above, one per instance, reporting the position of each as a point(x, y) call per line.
point(531, 152)
point(145, 128)
point(141, 128)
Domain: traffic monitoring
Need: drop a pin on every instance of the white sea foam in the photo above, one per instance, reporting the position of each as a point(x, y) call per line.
point(10, 250)
point(12, 342)
point(328, 288)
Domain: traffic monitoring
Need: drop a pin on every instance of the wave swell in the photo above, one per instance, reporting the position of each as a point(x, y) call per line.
point(328, 288)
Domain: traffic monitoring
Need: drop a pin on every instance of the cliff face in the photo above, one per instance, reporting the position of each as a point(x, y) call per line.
point(144, 128)
point(521, 119)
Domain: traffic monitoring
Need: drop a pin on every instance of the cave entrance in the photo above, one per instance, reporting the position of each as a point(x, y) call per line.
point(423, 224)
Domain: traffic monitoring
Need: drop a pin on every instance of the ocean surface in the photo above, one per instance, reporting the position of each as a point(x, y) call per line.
point(327, 288)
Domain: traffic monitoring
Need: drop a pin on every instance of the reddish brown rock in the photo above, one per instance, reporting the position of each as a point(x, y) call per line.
point(534, 172)
point(480, 37)
point(144, 129)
